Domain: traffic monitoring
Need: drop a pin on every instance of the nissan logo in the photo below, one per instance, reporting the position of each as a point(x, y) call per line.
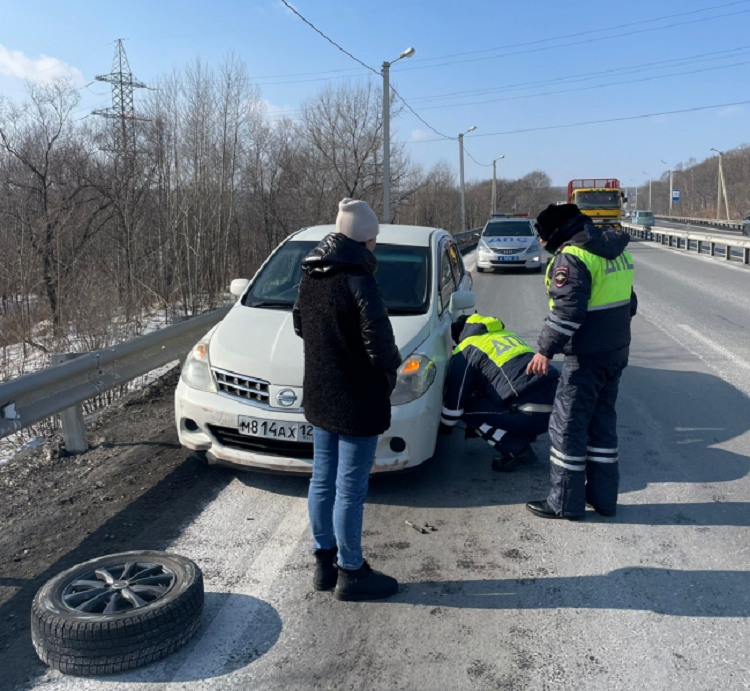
point(286, 398)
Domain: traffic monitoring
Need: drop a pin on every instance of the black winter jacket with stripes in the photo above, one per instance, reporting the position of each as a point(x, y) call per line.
point(473, 373)
point(570, 327)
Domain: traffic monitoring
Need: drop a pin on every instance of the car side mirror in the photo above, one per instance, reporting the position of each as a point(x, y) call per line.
point(238, 286)
point(462, 300)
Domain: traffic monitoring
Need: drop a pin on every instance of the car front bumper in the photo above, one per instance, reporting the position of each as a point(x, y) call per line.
point(494, 261)
point(409, 441)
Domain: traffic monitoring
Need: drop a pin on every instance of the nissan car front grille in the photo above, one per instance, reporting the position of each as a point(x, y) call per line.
point(241, 387)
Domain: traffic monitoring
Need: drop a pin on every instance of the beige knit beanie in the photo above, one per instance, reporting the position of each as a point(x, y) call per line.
point(357, 220)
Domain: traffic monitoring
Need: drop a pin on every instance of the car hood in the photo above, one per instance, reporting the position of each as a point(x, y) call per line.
point(509, 243)
point(261, 343)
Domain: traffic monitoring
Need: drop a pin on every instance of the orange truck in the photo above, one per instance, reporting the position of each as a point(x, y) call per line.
point(601, 199)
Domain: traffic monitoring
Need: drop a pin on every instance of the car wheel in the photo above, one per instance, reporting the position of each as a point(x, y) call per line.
point(117, 612)
point(538, 269)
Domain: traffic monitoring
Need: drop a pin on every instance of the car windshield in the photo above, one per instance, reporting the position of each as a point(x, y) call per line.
point(598, 200)
point(403, 275)
point(508, 229)
point(645, 214)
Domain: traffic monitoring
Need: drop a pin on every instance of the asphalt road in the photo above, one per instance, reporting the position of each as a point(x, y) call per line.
point(657, 598)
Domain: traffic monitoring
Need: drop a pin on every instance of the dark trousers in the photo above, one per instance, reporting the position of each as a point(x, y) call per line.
point(583, 433)
point(503, 427)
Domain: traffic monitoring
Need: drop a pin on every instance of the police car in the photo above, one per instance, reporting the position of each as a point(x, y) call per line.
point(507, 241)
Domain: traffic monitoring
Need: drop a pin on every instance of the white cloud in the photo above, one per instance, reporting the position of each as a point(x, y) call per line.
point(730, 110)
point(420, 135)
point(13, 63)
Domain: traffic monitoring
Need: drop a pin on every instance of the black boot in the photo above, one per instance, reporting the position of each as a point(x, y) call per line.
point(364, 584)
point(326, 574)
point(507, 464)
point(544, 510)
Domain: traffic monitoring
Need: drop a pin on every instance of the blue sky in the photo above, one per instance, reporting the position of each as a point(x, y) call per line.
point(487, 63)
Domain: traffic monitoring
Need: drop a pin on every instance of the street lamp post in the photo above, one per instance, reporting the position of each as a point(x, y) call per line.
point(721, 186)
point(671, 187)
point(650, 208)
point(461, 175)
point(494, 184)
point(636, 191)
point(387, 133)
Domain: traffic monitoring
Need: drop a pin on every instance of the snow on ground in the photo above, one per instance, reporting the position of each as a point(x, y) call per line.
point(19, 359)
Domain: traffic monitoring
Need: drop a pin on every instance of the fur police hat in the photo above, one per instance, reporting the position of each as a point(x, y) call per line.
point(554, 216)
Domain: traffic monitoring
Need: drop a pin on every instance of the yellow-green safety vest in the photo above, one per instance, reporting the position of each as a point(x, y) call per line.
point(611, 279)
point(498, 344)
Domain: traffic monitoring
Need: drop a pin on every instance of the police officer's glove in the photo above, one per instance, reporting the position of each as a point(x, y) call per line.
point(445, 429)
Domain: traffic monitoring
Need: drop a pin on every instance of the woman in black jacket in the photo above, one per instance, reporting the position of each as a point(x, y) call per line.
point(351, 360)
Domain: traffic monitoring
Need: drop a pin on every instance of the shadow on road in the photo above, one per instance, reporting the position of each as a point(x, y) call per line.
point(663, 591)
point(242, 629)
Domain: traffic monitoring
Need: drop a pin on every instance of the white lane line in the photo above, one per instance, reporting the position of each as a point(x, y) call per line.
point(226, 630)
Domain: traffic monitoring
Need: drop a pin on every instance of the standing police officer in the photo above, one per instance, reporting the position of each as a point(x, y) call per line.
point(489, 389)
point(590, 287)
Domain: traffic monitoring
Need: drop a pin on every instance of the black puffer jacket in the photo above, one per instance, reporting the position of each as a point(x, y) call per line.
point(571, 328)
point(351, 356)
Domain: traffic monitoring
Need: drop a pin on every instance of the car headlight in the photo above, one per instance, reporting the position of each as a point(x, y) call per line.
point(415, 376)
point(196, 372)
point(484, 248)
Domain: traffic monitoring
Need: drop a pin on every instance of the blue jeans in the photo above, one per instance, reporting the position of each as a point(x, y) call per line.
point(341, 473)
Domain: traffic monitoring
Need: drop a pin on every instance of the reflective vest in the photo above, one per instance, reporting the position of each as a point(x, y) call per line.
point(611, 279)
point(498, 344)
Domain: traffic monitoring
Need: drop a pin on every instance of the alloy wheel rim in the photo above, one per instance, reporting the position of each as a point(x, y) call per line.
point(118, 588)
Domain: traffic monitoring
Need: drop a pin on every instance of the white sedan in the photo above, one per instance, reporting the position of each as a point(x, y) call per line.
point(240, 402)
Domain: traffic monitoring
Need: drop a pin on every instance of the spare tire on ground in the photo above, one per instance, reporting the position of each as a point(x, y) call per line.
point(117, 612)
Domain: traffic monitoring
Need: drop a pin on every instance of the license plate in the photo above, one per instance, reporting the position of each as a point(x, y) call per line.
point(270, 429)
point(507, 259)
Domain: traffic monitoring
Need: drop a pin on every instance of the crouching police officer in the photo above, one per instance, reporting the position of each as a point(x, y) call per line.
point(590, 288)
point(488, 389)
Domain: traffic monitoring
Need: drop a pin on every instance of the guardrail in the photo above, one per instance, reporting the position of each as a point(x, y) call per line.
point(704, 243)
point(62, 387)
point(706, 222)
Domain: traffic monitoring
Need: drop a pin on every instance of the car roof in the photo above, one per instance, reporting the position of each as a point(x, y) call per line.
point(415, 236)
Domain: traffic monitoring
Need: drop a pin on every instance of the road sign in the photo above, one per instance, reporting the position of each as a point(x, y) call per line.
point(675, 195)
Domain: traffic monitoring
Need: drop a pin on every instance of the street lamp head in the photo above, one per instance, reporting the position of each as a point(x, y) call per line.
point(407, 53)
point(471, 129)
point(721, 153)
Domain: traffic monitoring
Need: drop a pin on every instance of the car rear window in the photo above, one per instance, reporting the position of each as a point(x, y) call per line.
point(403, 274)
point(508, 229)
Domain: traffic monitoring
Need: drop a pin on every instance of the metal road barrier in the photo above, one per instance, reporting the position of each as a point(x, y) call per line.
point(729, 225)
point(704, 243)
point(62, 387)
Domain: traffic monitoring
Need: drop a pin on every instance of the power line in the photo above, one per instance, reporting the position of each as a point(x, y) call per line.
point(576, 43)
point(643, 67)
point(592, 31)
point(593, 122)
point(588, 88)
point(357, 60)
point(468, 153)
point(331, 41)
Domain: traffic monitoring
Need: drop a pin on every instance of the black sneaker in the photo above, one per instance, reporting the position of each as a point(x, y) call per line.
point(326, 574)
point(507, 464)
point(364, 584)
